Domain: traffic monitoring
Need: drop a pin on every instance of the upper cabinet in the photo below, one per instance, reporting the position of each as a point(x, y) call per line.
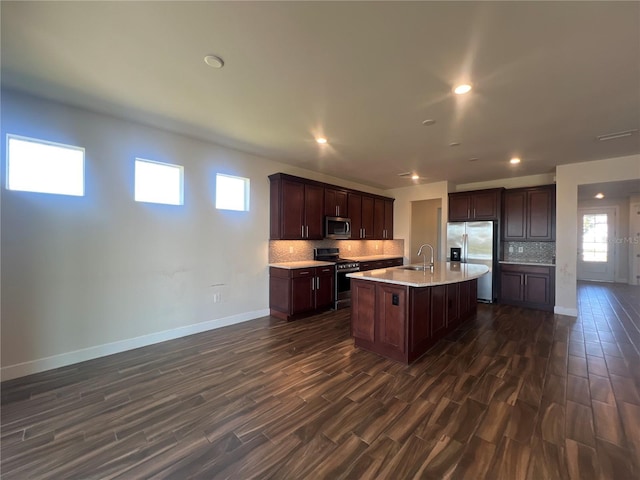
point(299, 206)
point(335, 203)
point(296, 209)
point(529, 214)
point(383, 219)
point(475, 205)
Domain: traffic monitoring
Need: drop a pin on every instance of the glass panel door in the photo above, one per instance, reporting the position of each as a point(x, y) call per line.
point(595, 249)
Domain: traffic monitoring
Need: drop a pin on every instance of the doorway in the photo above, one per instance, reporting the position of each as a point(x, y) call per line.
point(596, 252)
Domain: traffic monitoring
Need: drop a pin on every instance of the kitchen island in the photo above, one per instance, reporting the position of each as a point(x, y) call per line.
point(401, 312)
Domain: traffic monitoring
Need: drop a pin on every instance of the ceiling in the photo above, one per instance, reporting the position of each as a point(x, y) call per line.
point(548, 78)
point(623, 189)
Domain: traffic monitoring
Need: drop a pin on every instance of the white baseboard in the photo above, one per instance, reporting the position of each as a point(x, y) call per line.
point(571, 312)
point(69, 358)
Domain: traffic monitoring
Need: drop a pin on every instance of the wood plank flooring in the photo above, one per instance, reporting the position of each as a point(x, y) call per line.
point(514, 394)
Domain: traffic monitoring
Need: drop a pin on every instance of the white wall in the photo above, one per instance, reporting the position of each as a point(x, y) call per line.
point(568, 177)
point(87, 276)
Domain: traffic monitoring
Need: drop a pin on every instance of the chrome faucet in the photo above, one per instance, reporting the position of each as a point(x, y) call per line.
point(425, 257)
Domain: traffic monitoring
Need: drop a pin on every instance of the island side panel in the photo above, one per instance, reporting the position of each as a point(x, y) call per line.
point(363, 300)
point(420, 338)
point(391, 321)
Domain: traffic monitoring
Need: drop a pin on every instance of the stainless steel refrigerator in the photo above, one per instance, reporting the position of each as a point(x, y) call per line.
point(477, 244)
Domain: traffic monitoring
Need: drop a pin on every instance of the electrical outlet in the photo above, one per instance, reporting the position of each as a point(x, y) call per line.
point(217, 297)
point(376, 246)
point(510, 249)
point(520, 249)
point(349, 247)
point(290, 249)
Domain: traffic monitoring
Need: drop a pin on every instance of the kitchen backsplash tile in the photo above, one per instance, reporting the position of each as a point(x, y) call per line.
point(542, 252)
point(298, 250)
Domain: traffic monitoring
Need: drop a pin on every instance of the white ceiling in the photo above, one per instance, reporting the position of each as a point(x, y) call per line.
point(548, 78)
point(623, 189)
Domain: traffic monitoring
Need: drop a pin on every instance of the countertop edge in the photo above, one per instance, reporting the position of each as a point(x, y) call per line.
point(301, 264)
point(535, 264)
point(366, 275)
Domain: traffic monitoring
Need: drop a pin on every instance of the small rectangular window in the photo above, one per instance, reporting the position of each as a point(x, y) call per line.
point(232, 193)
point(39, 166)
point(157, 182)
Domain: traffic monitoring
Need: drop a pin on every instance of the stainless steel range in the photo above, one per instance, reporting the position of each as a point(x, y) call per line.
point(342, 293)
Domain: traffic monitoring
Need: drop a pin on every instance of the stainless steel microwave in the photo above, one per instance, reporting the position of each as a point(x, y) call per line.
point(337, 228)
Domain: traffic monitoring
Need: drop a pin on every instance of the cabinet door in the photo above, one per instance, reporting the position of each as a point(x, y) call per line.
point(378, 218)
point(515, 209)
point(335, 203)
point(459, 207)
point(367, 217)
point(420, 328)
point(388, 219)
point(313, 211)
point(464, 289)
point(302, 294)
point(485, 205)
point(363, 296)
point(391, 305)
point(540, 217)
point(438, 309)
point(293, 203)
point(536, 288)
point(325, 287)
point(453, 307)
point(355, 213)
point(511, 285)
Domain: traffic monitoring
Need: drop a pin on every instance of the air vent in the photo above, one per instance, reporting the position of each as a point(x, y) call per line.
point(404, 174)
point(613, 136)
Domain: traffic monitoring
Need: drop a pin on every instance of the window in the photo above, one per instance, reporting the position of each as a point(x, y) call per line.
point(594, 237)
point(158, 182)
point(46, 167)
point(232, 193)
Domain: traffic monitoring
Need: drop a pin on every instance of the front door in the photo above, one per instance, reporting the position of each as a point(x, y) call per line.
point(595, 244)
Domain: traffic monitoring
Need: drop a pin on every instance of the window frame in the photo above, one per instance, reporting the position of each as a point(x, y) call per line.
point(164, 164)
point(246, 193)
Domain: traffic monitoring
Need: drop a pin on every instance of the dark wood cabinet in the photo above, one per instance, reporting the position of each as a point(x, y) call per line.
point(382, 219)
point(528, 286)
point(376, 264)
point(361, 213)
point(335, 203)
point(529, 214)
point(475, 205)
point(401, 322)
point(296, 209)
point(296, 292)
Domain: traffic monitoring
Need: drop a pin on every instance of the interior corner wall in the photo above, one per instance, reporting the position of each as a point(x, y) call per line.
point(402, 211)
point(84, 277)
point(568, 177)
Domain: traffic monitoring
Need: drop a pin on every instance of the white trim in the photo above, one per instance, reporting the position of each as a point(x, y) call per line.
point(571, 312)
point(69, 358)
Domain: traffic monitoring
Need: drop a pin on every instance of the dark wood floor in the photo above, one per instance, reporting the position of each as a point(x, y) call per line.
point(515, 394)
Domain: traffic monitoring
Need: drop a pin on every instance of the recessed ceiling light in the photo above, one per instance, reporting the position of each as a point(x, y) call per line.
point(462, 89)
point(514, 160)
point(454, 144)
point(428, 122)
point(321, 140)
point(214, 61)
point(415, 177)
point(599, 195)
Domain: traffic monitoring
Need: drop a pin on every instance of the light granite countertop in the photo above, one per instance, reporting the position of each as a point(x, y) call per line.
point(301, 264)
point(524, 262)
point(444, 273)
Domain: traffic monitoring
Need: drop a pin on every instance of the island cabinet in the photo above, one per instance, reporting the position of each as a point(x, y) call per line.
point(335, 203)
point(298, 292)
point(528, 286)
point(401, 322)
point(529, 214)
point(383, 219)
point(475, 205)
point(297, 209)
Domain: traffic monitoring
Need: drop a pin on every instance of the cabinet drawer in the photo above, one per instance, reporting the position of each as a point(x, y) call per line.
point(303, 272)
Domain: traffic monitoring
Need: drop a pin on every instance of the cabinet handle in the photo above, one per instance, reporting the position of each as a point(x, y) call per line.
point(318, 283)
point(304, 273)
point(337, 210)
point(313, 284)
point(302, 232)
point(307, 231)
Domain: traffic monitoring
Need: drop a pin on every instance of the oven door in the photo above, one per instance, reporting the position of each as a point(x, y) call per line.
point(343, 289)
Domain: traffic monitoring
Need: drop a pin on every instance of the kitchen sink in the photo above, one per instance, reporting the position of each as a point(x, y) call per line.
point(418, 268)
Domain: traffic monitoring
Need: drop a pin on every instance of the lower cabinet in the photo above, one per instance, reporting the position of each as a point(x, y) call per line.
point(401, 322)
point(302, 291)
point(374, 265)
point(528, 286)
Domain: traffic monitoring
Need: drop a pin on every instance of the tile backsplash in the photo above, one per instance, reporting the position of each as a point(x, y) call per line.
point(298, 250)
point(542, 252)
